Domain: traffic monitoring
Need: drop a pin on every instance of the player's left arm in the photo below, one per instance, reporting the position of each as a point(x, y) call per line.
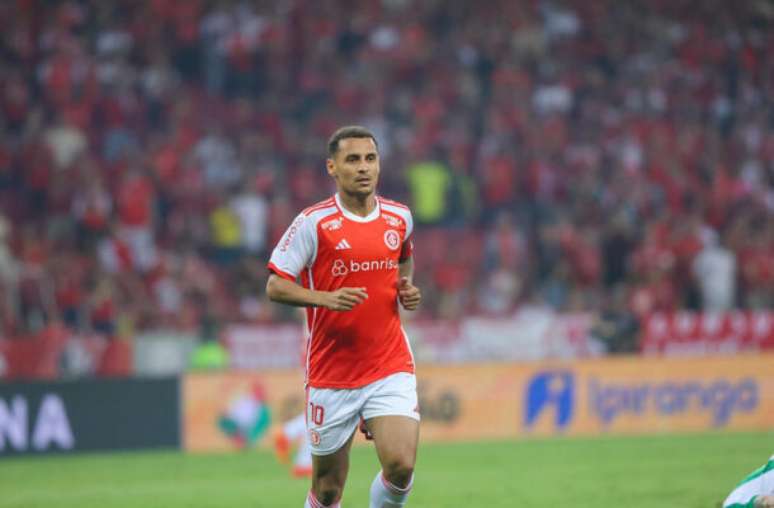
point(408, 294)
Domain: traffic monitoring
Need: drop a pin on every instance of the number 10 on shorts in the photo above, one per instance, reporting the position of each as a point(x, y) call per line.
point(317, 413)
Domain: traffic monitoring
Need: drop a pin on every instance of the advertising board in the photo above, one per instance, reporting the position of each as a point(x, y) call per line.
point(513, 400)
point(71, 416)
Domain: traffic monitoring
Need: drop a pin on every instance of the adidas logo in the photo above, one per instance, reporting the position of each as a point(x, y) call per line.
point(343, 244)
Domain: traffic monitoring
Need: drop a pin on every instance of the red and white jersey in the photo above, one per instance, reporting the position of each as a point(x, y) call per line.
point(329, 247)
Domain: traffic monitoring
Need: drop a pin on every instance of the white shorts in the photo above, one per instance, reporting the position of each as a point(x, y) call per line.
point(332, 414)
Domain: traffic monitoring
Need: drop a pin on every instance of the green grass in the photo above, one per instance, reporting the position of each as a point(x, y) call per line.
point(689, 471)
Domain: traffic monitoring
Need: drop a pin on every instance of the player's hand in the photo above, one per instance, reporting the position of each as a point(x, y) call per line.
point(344, 299)
point(408, 294)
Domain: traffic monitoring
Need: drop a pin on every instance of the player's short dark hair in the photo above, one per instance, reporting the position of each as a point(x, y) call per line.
point(348, 131)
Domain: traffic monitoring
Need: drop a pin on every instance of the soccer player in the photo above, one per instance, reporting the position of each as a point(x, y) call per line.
point(755, 491)
point(353, 255)
point(294, 431)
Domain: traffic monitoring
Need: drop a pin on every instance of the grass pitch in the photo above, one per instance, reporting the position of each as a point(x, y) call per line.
point(688, 471)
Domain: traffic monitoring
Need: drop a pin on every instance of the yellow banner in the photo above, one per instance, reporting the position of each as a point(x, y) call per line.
point(489, 401)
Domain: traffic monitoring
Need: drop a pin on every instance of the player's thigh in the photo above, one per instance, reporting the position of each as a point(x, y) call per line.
point(331, 470)
point(392, 415)
point(395, 439)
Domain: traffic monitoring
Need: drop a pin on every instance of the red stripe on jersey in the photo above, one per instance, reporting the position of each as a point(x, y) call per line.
point(319, 206)
point(393, 203)
point(323, 204)
point(279, 272)
point(326, 201)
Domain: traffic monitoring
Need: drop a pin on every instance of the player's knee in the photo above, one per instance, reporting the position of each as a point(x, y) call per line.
point(399, 472)
point(328, 494)
point(327, 488)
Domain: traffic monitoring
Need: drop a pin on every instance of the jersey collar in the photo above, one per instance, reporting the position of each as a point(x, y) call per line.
point(351, 216)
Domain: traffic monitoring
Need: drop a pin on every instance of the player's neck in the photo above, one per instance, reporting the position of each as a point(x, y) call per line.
point(358, 204)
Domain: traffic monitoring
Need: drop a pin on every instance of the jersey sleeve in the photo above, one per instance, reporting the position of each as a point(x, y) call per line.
point(407, 249)
point(758, 483)
point(296, 248)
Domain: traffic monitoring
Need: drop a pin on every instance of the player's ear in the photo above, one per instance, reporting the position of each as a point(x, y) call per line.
point(331, 167)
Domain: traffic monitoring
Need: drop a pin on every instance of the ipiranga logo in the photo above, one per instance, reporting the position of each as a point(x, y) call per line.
point(720, 398)
point(556, 393)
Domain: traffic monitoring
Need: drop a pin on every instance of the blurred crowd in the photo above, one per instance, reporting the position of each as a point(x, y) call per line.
point(602, 156)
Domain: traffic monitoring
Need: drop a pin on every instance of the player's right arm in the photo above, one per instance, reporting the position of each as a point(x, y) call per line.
point(291, 293)
point(296, 251)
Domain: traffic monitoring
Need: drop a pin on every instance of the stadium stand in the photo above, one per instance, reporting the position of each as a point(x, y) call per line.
point(584, 156)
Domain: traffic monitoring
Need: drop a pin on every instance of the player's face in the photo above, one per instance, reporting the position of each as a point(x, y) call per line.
point(355, 167)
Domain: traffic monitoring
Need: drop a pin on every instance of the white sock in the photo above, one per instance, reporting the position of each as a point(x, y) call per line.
point(295, 428)
point(312, 502)
point(386, 495)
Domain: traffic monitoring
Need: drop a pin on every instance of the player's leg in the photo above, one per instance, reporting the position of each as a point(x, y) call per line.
point(329, 473)
point(332, 418)
point(395, 439)
point(392, 417)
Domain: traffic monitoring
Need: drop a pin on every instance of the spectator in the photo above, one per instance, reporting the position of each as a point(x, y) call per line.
point(66, 143)
point(226, 235)
point(252, 211)
point(715, 271)
point(132, 123)
point(9, 279)
point(136, 213)
point(615, 326)
point(429, 183)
